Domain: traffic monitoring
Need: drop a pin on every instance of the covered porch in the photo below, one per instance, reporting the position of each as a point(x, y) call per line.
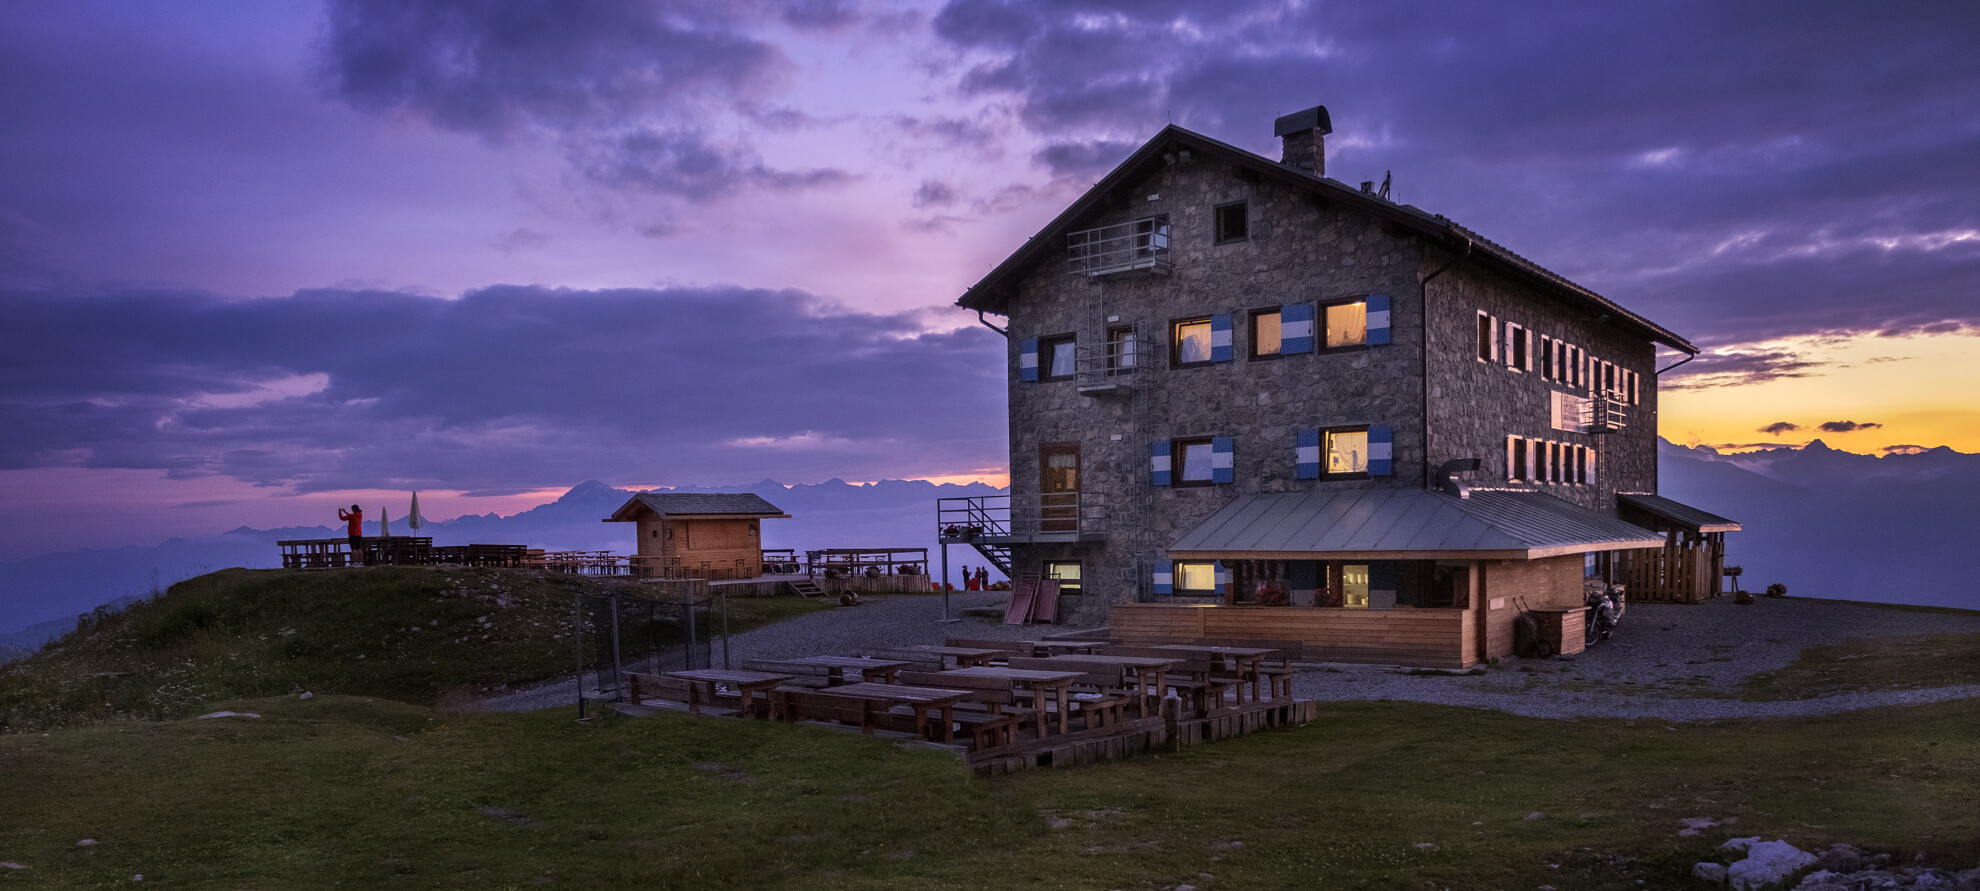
point(1388, 576)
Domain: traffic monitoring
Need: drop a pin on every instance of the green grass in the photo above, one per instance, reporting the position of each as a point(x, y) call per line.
point(412, 634)
point(343, 791)
point(1876, 663)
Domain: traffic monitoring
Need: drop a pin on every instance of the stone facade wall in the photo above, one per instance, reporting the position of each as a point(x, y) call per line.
point(1474, 406)
point(1300, 250)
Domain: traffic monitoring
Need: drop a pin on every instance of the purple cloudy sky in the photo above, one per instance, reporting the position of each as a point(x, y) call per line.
point(257, 257)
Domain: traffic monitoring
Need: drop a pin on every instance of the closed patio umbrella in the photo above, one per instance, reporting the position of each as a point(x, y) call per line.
point(412, 518)
point(384, 523)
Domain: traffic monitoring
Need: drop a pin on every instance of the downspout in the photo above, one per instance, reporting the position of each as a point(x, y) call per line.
point(1687, 358)
point(986, 323)
point(1423, 309)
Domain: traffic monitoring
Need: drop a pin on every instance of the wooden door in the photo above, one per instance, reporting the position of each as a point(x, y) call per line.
point(1058, 487)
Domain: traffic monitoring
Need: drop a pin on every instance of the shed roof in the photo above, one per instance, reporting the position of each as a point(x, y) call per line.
point(993, 292)
point(707, 505)
point(1679, 514)
point(1403, 524)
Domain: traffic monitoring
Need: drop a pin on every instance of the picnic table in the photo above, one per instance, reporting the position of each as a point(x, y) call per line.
point(965, 656)
point(1244, 660)
point(1062, 647)
point(1149, 671)
point(1042, 684)
point(748, 683)
point(877, 698)
point(874, 670)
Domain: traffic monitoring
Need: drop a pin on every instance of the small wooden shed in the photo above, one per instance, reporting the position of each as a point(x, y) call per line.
point(698, 535)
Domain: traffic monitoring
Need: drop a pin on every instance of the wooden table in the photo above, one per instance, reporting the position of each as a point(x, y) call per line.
point(1243, 659)
point(883, 696)
point(965, 656)
point(880, 671)
point(749, 683)
point(1041, 684)
point(1148, 671)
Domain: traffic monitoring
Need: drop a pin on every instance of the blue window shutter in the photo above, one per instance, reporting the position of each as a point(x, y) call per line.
point(1381, 448)
point(1295, 328)
point(1222, 575)
point(1223, 460)
point(1306, 455)
point(1165, 577)
point(1378, 319)
point(1028, 360)
point(1158, 462)
point(1220, 338)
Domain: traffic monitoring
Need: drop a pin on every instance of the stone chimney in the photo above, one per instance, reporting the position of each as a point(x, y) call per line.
point(1305, 136)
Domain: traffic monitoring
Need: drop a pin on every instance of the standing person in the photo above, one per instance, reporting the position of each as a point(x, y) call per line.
point(355, 518)
point(982, 578)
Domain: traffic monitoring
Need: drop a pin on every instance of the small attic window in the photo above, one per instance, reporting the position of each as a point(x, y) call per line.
point(1233, 224)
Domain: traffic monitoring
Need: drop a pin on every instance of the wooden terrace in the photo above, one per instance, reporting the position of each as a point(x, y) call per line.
point(1008, 705)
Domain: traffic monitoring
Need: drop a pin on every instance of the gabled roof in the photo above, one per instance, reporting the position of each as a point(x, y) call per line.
point(993, 292)
point(704, 505)
point(1405, 524)
point(1677, 513)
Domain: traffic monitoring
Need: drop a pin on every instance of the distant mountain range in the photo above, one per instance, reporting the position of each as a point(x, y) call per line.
point(831, 514)
point(1826, 523)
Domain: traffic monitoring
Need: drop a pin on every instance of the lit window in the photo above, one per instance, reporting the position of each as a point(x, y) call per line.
point(1190, 340)
point(1200, 578)
point(1346, 450)
point(1354, 585)
point(1068, 575)
point(1265, 333)
point(1347, 324)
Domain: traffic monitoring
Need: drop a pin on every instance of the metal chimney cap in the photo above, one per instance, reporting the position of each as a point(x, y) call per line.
point(1314, 118)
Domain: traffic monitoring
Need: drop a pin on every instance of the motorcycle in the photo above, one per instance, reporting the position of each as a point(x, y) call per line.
point(1605, 609)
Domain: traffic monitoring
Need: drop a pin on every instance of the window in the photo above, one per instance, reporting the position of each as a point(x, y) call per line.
point(1232, 223)
point(1516, 355)
point(1581, 465)
point(1056, 355)
point(1345, 451)
point(1546, 358)
point(1488, 339)
point(1193, 461)
point(1189, 342)
point(1120, 349)
point(1515, 458)
point(1265, 333)
point(1196, 578)
point(1557, 461)
point(1354, 585)
point(1346, 323)
point(1068, 575)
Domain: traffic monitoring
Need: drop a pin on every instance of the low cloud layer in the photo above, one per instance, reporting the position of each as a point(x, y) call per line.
point(1847, 426)
point(1779, 427)
point(505, 389)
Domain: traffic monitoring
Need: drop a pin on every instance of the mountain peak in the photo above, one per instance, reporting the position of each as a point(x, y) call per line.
point(588, 489)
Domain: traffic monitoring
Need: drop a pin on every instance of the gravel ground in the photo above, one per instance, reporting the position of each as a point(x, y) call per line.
point(1670, 663)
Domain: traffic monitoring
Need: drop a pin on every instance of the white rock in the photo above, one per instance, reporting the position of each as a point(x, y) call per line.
point(307, 695)
point(228, 715)
point(1740, 844)
point(8, 864)
point(1536, 815)
point(85, 843)
point(1766, 863)
point(1711, 872)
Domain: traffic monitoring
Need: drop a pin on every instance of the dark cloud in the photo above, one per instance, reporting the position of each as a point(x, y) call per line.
point(1732, 178)
point(934, 193)
point(626, 87)
point(1904, 449)
point(1733, 368)
point(1083, 159)
point(1847, 426)
point(1779, 427)
point(507, 388)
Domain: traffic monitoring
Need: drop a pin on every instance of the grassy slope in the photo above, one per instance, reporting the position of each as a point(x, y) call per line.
point(367, 793)
point(406, 633)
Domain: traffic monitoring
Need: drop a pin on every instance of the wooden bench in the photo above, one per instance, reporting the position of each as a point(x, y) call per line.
point(994, 696)
point(812, 676)
point(641, 687)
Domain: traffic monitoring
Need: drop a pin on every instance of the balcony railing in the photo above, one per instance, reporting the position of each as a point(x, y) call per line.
point(1604, 413)
point(1108, 367)
point(1071, 513)
point(1135, 246)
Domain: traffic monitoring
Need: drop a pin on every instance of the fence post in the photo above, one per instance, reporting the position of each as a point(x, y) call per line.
point(618, 671)
point(577, 635)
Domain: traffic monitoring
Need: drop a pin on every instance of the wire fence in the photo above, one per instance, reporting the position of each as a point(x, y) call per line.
point(677, 625)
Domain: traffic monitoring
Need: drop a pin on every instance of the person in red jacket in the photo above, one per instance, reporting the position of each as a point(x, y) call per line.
point(355, 517)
